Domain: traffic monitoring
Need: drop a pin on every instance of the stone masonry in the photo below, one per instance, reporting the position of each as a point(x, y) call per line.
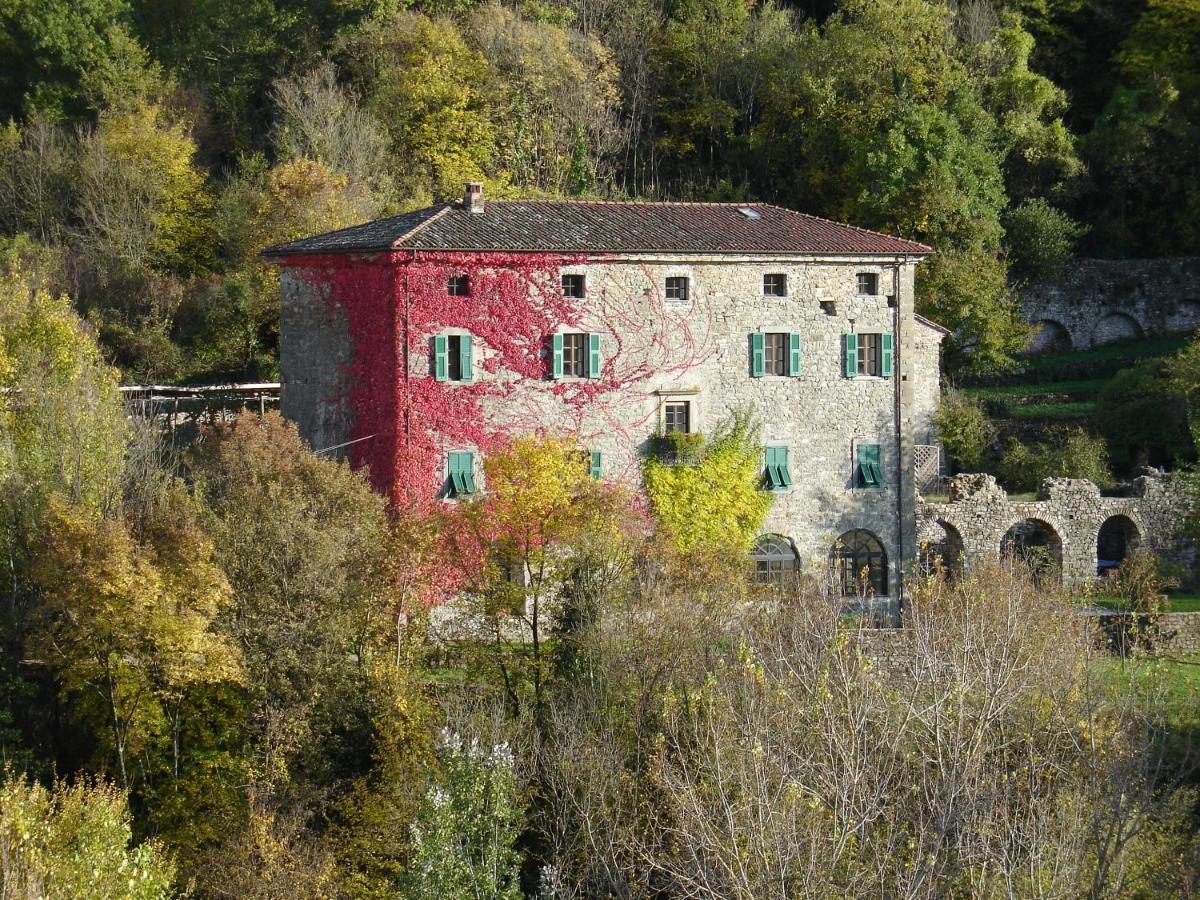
point(1098, 301)
point(1069, 516)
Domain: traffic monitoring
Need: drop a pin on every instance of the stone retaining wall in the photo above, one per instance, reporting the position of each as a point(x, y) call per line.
point(980, 521)
point(1099, 301)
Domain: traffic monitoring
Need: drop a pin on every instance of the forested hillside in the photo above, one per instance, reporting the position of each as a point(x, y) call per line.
point(151, 149)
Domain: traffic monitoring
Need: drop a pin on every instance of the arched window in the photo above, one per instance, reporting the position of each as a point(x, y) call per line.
point(774, 559)
point(859, 564)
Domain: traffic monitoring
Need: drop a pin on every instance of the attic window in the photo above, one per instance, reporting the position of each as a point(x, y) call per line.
point(458, 285)
point(749, 213)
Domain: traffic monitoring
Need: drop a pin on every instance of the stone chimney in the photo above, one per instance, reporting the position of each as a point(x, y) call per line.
point(473, 197)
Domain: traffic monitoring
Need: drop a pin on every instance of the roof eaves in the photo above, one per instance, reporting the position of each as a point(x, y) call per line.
point(929, 323)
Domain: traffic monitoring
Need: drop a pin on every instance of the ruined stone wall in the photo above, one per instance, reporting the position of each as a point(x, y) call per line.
point(1099, 301)
point(972, 525)
point(654, 350)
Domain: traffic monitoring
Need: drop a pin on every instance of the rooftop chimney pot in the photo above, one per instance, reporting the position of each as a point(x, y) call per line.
point(473, 197)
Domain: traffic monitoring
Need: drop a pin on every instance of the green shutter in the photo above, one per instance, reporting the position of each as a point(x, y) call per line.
point(870, 473)
point(593, 355)
point(464, 357)
point(595, 464)
point(850, 345)
point(776, 468)
point(557, 343)
point(756, 354)
point(468, 471)
point(441, 371)
point(885, 355)
point(781, 464)
point(461, 465)
point(794, 359)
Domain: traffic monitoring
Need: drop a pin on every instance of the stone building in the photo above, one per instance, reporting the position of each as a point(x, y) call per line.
point(418, 343)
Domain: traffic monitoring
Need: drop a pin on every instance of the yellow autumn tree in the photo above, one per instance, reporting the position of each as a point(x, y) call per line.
point(715, 502)
point(520, 540)
point(142, 203)
point(126, 627)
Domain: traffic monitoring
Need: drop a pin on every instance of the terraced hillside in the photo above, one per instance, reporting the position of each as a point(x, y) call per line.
point(1061, 388)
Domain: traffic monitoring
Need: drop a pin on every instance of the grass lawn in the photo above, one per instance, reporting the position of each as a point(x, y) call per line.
point(1078, 386)
point(1175, 602)
point(1143, 349)
point(1077, 410)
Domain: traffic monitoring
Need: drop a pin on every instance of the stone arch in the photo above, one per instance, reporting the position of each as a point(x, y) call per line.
point(859, 564)
point(775, 559)
point(943, 549)
point(1116, 326)
point(1050, 335)
point(1185, 316)
point(1036, 544)
point(1118, 536)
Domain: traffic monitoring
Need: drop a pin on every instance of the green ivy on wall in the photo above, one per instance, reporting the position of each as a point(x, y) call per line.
point(717, 500)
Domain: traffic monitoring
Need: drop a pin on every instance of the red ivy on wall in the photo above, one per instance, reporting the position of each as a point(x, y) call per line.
point(405, 420)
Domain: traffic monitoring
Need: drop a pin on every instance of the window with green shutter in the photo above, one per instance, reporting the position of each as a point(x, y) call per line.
point(452, 357)
point(885, 355)
point(576, 355)
point(594, 464)
point(794, 353)
point(850, 351)
point(776, 471)
point(757, 358)
point(870, 472)
point(460, 466)
point(774, 353)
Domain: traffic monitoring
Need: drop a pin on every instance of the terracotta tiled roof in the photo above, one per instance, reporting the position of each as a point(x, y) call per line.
point(592, 226)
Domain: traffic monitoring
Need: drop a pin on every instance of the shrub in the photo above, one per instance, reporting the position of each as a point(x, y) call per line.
point(1072, 453)
point(963, 428)
point(716, 502)
point(74, 841)
point(1039, 238)
point(465, 834)
point(1143, 418)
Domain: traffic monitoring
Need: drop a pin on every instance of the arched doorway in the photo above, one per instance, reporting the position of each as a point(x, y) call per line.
point(942, 550)
point(775, 559)
point(1118, 537)
point(1114, 327)
point(1049, 337)
point(1036, 545)
point(859, 564)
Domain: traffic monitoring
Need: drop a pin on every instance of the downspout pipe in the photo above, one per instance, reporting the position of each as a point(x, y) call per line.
point(897, 418)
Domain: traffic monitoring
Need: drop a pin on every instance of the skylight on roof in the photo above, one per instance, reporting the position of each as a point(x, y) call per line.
point(748, 212)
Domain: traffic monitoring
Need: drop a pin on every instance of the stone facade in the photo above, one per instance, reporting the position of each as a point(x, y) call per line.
point(654, 351)
point(1097, 301)
point(1078, 527)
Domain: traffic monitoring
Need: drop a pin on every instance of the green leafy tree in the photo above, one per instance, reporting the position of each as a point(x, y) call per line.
point(430, 89)
point(962, 427)
point(1039, 239)
point(1072, 453)
point(75, 840)
point(1143, 419)
point(306, 547)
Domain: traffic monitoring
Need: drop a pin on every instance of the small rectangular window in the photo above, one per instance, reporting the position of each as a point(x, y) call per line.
point(458, 285)
point(775, 285)
point(868, 283)
point(868, 354)
point(573, 286)
point(677, 416)
point(575, 351)
point(775, 353)
point(677, 289)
